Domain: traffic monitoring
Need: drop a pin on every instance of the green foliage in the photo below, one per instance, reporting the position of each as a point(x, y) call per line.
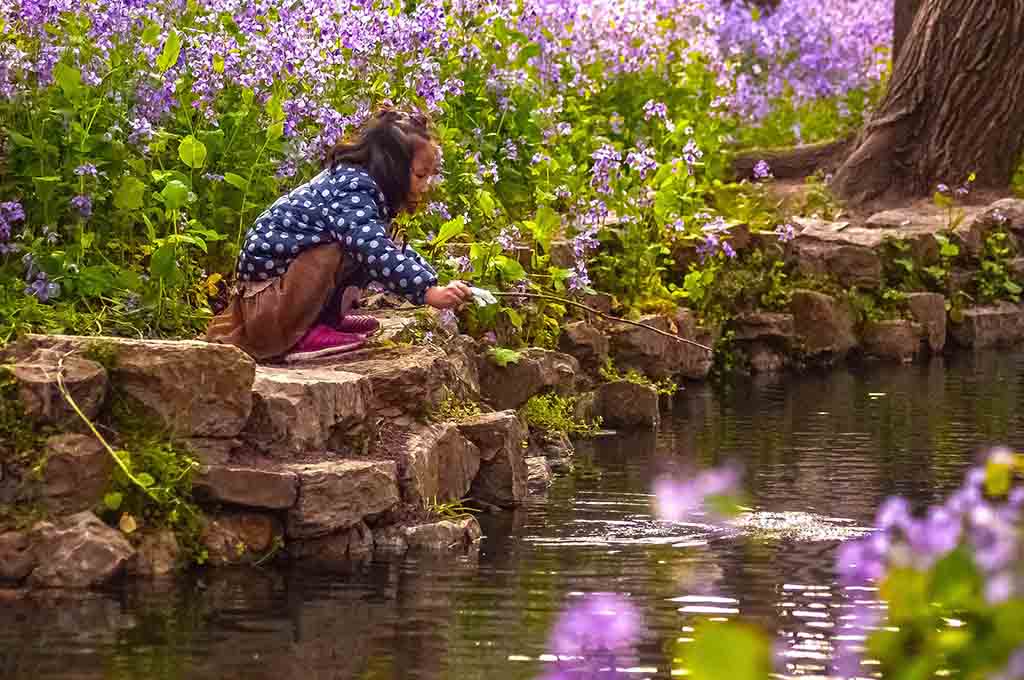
point(454, 410)
point(503, 357)
point(726, 651)
point(556, 414)
point(995, 280)
point(610, 373)
point(876, 306)
point(451, 510)
point(717, 290)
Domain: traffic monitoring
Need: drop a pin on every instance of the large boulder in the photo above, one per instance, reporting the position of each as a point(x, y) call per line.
point(538, 473)
point(77, 551)
point(240, 537)
point(929, 310)
point(307, 409)
point(1006, 214)
point(850, 254)
point(76, 473)
point(194, 389)
point(686, 360)
point(625, 404)
point(413, 379)
point(252, 487)
point(40, 395)
point(435, 463)
point(824, 325)
point(896, 339)
point(17, 559)
point(335, 495)
point(536, 370)
point(658, 356)
point(586, 343)
point(999, 325)
point(766, 326)
point(338, 549)
point(501, 439)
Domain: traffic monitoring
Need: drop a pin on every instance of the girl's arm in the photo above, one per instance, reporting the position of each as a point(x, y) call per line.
point(359, 228)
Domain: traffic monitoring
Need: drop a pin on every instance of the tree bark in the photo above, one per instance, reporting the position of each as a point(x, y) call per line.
point(955, 105)
point(904, 12)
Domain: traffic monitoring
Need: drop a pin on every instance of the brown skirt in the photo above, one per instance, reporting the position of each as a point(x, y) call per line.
point(267, 318)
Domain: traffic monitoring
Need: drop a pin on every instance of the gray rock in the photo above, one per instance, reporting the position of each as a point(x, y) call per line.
point(210, 450)
point(685, 359)
point(644, 351)
point(624, 404)
point(501, 439)
point(336, 495)
point(339, 549)
point(850, 254)
point(556, 447)
point(413, 379)
point(1006, 214)
point(77, 551)
point(537, 370)
point(764, 326)
point(444, 535)
point(40, 396)
point(539, 473)
point(17, 559)
point(240, 537)
point(76, 473)
point(252, 487)
point(931, 218)
point(823, 324)
point(897, 339)
point(436, 463)
point(296, 410)
point(158, 555)
point(1000, 325)
point(194, 389)
point(588, 345)
point(390, 542)
point(929, 309)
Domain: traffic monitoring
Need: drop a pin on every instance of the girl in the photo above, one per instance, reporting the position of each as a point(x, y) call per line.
point(306, 258)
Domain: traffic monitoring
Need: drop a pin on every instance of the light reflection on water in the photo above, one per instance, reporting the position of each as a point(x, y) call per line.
point(820, 453)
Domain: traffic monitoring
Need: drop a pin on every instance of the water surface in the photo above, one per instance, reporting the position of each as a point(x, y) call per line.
point(821, 451)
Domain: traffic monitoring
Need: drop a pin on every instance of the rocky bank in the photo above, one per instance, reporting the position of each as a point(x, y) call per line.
point(343, 460)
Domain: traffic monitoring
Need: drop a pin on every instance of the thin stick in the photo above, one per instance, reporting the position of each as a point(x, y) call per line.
point(555, 298)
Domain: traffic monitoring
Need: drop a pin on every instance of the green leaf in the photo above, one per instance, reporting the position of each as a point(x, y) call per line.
point(514, 317)
point(145, 480)
point(729, 651)
point(955, 581)
point(486, 202)
point(113, 500)
point(151, 35)
point(20, 139)
point(528, 52)
point(218, 63)
point(175, 195)
point(129, 194)
point(237, 181)
point(275, 131)
point(69, 79)
point(510, 269)
point(172, 50)
point(192, 152)
point(449, 230)
point(503, 356)
point(161, 262)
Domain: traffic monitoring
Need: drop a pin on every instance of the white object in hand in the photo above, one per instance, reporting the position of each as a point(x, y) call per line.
point(483, 297)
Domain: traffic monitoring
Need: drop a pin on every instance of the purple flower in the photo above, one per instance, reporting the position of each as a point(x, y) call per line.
point(607, 160)
point(600, 624)
point(642, 161)
point(653, 109)
point(448, 321)
point(86, 169)
point(894, 513)
point(83, 204)
point(213, 177)
point(762, 170)
point(942, 188)
point(678, 501)
point(12, 211)
point(785, 232)
point(463, 264)
point(42, 288)
point(508, 238)
point(439, 208)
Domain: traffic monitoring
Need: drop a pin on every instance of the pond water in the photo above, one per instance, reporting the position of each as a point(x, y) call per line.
point(821, 451)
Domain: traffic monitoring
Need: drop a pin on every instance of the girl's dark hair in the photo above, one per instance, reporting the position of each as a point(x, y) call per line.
point(385, 148)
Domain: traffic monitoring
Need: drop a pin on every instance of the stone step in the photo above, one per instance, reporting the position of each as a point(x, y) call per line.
point(435, 463)
point(337, 495)
point(502, 439)
point(299, 410)
point(194, 389)
point(1000, 325)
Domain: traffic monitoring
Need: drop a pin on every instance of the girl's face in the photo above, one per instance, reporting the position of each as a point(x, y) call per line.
point(424, 167)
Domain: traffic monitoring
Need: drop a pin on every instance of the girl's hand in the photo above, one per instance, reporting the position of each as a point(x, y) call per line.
point(455, 294)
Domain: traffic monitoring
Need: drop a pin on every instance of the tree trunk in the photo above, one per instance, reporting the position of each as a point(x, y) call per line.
point(955, 105)
point(904, 12)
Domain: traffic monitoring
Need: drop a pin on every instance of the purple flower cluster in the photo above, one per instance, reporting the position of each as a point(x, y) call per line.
point(642, 161)
point(683, 500)
point(508, 238)
point(83, 204)
point(10, 212)
point(762, 170)
point(592, 633)
point(607, 161)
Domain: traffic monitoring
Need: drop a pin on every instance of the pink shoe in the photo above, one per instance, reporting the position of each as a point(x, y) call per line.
point(363, 324)
point(323, 341)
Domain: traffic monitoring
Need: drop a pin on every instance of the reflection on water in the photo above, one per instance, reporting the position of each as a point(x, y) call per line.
point(820, 453)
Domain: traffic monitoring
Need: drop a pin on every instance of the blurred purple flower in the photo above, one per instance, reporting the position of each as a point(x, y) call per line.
point(762, 170)
point(600, 624)
point(83, 204)
point(785, 232)
point(439, 208)
point(679, 500)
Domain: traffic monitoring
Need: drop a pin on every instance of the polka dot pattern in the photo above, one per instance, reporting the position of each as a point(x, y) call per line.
point(341, 205)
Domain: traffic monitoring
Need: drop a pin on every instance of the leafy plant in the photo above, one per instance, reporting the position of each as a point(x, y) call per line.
point(556, 414)
point(610, 373)
point(995, 280)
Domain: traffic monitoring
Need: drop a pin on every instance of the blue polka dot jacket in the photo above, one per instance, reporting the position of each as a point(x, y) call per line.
point(342, 205)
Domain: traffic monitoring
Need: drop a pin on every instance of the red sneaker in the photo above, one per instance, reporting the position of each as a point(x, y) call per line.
point(323, 341)
point(363, 324)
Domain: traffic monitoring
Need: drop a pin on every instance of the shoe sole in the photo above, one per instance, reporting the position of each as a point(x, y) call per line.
point(320, 353)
